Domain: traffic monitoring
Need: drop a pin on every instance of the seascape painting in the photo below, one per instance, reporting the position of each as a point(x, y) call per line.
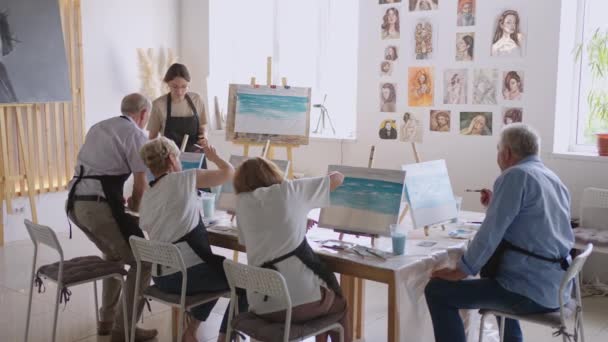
point(429, 193)
point(367, 202)
point(260, 113)
point(227, 200)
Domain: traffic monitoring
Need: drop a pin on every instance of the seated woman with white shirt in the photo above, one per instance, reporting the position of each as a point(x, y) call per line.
point(170, 212)
point(272, 219)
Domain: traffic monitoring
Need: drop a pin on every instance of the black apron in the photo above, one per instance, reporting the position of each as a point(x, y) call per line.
point(198, 240)
point(312, 261)
point(112, 186)
point(177, 127)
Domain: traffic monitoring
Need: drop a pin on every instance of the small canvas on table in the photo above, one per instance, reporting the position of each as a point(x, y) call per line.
point(227, 200)
point(191, 160)
point(367, 202)
point(429, 193)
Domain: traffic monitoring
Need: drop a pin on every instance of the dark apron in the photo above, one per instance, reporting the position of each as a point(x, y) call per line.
point(177, 127)
point(312, 261)
point(198, 240)
point(112, 186)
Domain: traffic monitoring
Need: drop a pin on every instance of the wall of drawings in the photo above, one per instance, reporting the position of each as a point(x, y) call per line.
point(461, 76)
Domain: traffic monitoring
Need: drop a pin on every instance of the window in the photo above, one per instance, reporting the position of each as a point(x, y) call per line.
point(591, 23)
point(313, 43)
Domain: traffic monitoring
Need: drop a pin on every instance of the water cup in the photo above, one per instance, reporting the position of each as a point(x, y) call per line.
point(398, 237)
point(208, 204)
point(458, 200)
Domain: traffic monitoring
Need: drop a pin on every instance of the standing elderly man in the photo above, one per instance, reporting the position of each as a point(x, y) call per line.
point(521, 248)
point(96, 205)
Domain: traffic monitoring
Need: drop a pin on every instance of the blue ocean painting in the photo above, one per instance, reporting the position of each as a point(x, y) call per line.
point(428, 191)
point(272, 106)
point(368, 194)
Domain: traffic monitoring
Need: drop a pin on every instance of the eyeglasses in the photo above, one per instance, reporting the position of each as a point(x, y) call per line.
point(174, 87)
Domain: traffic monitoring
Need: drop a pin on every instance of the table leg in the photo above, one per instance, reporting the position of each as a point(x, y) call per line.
point(347, 283)
point(174, 323)
point(393, 311)
point(360, 304)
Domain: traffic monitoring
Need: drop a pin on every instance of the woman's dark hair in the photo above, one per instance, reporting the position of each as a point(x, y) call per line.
point(385, 24)
point(177, 70)
point(498, 32)
point(392, 97)
point(6, 35)
point(470, 44)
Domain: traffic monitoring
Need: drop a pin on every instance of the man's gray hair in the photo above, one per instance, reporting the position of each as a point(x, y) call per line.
point(134, 104)
point(521, 139)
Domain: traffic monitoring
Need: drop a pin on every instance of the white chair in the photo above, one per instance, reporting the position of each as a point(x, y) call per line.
point(69, 273)
point(270, 283)
point(165, 254)
point(557, 319)
point(593, 220)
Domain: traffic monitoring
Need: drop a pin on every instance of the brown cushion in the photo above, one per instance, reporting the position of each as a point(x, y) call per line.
point(193, 300)
point(81, 269)
point(263, 330)
point(598, 237)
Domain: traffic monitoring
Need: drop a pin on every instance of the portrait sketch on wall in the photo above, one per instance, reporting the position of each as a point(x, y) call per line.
point(484, 86)
point(33, 64)
point(388, 129)
point(420, 86)
point(455, 86)
point(508, 39)
point(476, 123)
point(511, 115)
point(466, 13)
point(386, 68)
point(465, 46)
point(440, 121)
point(391, 53)
point(382, 2)
point(390, 24)
point(423, 5)
point(513, 85)
point(424, 43)
point(388, 97)
point(410, 128)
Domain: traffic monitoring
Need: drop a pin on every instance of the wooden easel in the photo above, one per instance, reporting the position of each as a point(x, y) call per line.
point(268, 151)
point(6, 180)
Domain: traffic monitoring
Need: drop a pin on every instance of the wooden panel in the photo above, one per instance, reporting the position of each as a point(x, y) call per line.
point(42, 167)
point(49, 148)
point(57, 135)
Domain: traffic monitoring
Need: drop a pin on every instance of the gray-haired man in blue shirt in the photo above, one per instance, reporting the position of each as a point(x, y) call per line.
point(527, 229)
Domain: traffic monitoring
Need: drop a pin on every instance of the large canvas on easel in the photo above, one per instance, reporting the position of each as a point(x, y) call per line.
point(227, 200)
point(367, 202)
point(33, 64)
point(260, 113)
point(429, 193)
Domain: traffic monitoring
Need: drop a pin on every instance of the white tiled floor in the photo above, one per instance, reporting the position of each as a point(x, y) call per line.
point(77, 319)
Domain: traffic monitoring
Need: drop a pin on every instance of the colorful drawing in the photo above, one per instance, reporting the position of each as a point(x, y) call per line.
point(429, 193)
point(513, 85)
point(410, 129)
point(367, 202)
point(420, 86)
point(484, 86)
point(388, 97)
point(423, 5)
point(511, 115)
point(440, 120)
point(390, 24)
point(465, 46)
point(508, 37)
point(455, 86)
point(466, 13)
point(260, 113)
point(388, 130)
point(227, 200)
point(476, 123)
point(423, 38)
point(191, 160)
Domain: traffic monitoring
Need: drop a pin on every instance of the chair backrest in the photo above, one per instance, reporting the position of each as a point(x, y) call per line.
point(572, 273)
point(44, 235)
point(264, 281)
point(162, 253)
point(594, 208)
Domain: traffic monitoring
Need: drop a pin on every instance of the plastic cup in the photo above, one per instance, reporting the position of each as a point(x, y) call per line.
point(398, 238)
point(208, 204)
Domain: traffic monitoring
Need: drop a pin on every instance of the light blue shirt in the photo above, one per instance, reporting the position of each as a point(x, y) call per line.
point(530, 208)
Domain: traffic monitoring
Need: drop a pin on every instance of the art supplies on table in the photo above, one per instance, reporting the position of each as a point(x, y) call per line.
point(427, 243)
point(462, 233)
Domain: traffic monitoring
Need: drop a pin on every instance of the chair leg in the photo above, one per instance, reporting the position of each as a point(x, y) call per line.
point(96, 302)
point(579, 322)
point(502, 328)
point(124, 310)
point(481, 326)
point(180, 324)
point(57, 299)
point(135, 299)
point(29, 301)
point(341, 333)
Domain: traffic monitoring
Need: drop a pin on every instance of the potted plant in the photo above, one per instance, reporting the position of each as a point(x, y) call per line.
point(597, 97)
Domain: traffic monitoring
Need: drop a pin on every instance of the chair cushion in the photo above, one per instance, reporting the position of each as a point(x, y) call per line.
point(194, 300)
point(81, 269)
point(263, 330)
point(551, 319)
point(598, 237)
